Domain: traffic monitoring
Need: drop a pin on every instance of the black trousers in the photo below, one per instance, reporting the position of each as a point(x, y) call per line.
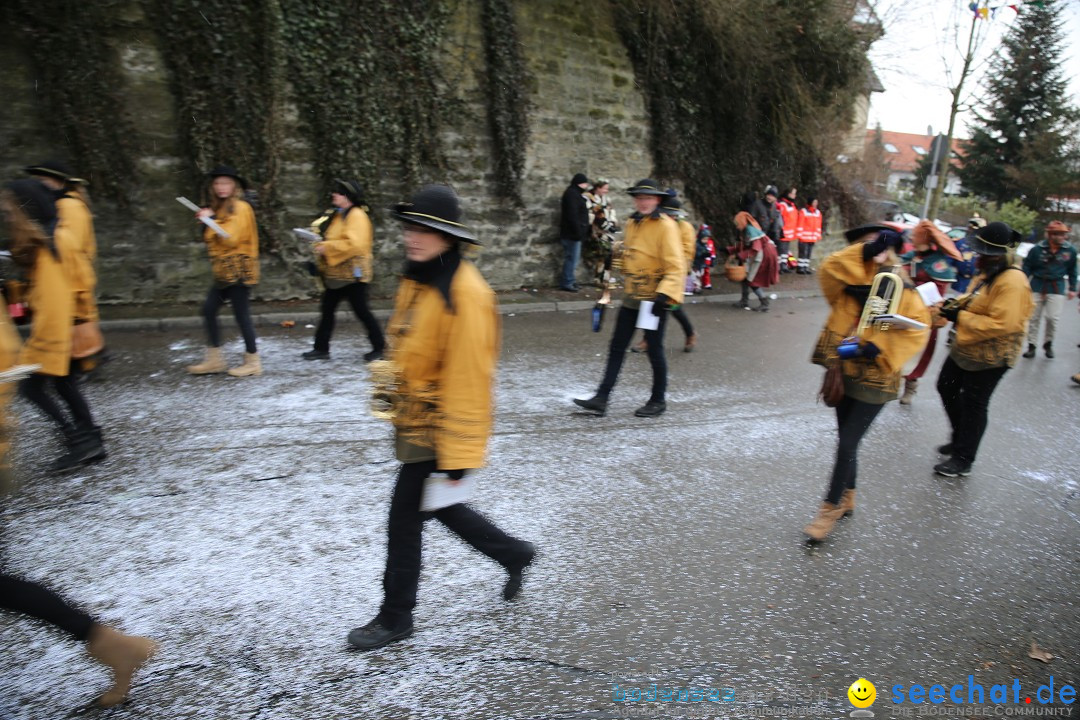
point(35, 389)
point(966, 396)
point(30, 598)
point(680, 316)
point(625, 325)
point(404, 542)
point(853, 419)
point(357, 295)
point(238, 296)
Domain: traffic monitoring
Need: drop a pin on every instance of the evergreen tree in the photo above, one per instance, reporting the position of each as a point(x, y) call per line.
point(1021, 146)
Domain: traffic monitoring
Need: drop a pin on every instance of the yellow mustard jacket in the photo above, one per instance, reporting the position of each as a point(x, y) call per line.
point(9, 352)
point(78, 252)
point(234, 259)
point(446, 357)
point(53, 306)
point(689, 244)
point(652, 261)
point(873, 381)
point(990, 329)
point(346, 248)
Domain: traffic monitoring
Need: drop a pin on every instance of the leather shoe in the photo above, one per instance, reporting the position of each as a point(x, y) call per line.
point(597, 404)
point(651, 409)
point(376, 635)
point(316, 355)
point(953, 467)
point(515, 572)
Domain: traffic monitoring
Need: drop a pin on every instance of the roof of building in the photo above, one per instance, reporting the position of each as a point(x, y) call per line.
point(904, 151)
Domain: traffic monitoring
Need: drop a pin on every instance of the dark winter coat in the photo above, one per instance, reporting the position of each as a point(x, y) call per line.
point(574, 223)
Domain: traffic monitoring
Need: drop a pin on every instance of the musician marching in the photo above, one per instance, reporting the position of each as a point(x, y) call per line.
point(870, 361)
point(234, 258)
point(344, 263)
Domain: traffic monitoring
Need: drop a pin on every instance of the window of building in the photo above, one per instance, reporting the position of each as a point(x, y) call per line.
point(889, 147)
point(919, 149)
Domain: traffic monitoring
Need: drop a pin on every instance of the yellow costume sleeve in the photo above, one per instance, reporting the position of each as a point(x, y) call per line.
point(1005, 311)
point(673, 282)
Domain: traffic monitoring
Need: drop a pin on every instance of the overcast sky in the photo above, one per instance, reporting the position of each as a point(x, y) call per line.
point(917, 60)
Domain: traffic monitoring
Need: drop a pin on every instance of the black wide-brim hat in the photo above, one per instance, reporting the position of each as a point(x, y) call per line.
point(228, 171)
point(997, 238)
point(647, 186)
point(672, 205)
point(351, 189)
point(857, 232)
point(54, 169)
point(436, 207)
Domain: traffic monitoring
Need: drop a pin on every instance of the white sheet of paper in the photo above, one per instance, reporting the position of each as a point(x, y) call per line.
point(204, 220)
point(440, 491)
point(929, 293)
point(900, 321)
point(18, 372)
point(305, 234)
point(645, 318)
point(1023, 249)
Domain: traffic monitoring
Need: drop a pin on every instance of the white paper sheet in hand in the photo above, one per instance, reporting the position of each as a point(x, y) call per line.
point(900, 322)
point(929, 293)
point(645, 318)
point(305, 234)
point(440, 491)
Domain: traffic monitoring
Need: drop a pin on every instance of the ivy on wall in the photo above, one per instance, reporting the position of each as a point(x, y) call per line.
point(741, 93)
point(78, 78)
point(505, 89)
point(367, 80)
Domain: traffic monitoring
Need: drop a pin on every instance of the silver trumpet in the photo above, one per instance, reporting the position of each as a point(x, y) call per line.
point(884, 299)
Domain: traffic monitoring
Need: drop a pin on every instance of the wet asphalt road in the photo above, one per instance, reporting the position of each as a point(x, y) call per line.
point(241, 522)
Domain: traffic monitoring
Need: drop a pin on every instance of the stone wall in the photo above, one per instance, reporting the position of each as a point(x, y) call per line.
point(586, 116)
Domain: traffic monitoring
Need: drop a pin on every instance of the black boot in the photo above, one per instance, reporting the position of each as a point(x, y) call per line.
point(84, 446)
point(597, 403)
point(376, 635)
point(1049, 350)
point(1030, 351)
point(653, 408)
point(515, 572)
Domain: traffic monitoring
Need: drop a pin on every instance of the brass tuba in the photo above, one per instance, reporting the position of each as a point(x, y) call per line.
point(884, 299)
point(386, 389)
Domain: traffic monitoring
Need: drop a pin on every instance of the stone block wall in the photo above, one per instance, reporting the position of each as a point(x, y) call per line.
point(586, 115)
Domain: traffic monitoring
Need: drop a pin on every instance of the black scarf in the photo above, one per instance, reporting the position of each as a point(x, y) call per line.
point(437, 272)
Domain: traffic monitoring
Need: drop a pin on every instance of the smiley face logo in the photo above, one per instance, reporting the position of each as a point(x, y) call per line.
point(862, 693)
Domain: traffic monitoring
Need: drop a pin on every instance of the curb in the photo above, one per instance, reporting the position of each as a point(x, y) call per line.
point(306, 317)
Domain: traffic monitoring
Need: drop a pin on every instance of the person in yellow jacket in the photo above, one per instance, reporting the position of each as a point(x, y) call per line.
point(79, 250)
point(871, 368)
point(989, 322)
point(653, 269)
point(38, 244)
point(443, 343)
point(344, 261)
point(122, 654)
point(235, 264)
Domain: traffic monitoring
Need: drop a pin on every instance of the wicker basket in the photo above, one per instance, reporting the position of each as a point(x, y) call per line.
point(734, 271)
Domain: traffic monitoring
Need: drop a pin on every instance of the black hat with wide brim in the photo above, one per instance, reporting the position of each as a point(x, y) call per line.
point(857, 232)
point(351, 189)
point(436, 207)
point(671, 206)
point(54, 169)
point(228, 171)
point(647, 186)
point(997, 238)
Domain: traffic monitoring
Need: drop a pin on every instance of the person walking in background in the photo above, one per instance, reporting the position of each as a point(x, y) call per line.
point(934, 260)
point(789, 218)
point(988, 332)
point(344, 262)
point(39, 243)
point(870, 365)
point(235, 264)
point(653, 269)
point(809, 231)
point(1051, 270)
point(598, 252)
point(672, 206)
point(443, 346)
point(574, 229)
point(73, 213)
point(758, 254)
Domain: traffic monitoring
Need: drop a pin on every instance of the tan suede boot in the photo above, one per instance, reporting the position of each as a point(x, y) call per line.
point(820, 527)
point(910, 388)
point(252, 366)
point(123, 654)
point(213, 363)
point(847, 501)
